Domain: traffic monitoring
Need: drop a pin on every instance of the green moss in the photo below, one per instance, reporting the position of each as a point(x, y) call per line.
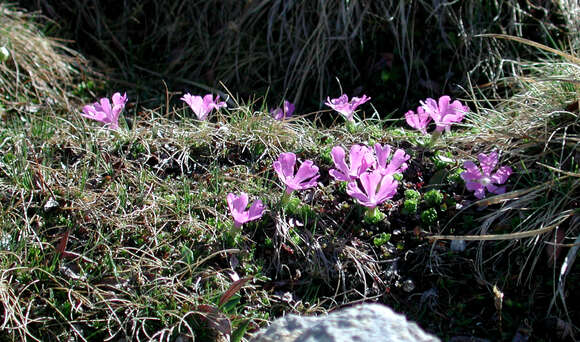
point(429, 216)
point(326, 156)
point(292, 205)
point(412, 194)
point(381, 239)
point(410, 207)
point(433, 197)
point(373, 216)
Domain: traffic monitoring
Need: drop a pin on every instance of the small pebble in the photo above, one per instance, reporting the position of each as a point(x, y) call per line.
point(50, 204)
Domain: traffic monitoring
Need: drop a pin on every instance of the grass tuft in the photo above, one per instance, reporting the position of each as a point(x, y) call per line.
point(35, 67)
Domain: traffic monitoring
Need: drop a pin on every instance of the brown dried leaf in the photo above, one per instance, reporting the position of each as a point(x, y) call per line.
point(235, 287)
point(216, 319)
point(62, 244)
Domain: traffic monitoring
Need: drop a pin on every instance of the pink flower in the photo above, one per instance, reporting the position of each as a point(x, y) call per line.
point(203, 106)
point(103, 111)
point(444, 113)
point(238, 204)
point(305, 177)
point(478, 180)
point(285, 112)
point(344, 107)
point(361, 159)
point(418, 121)
point(376, 188)
point(396, 165)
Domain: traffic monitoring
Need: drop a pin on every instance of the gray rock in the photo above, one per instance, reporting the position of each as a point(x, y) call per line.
point(365, 322)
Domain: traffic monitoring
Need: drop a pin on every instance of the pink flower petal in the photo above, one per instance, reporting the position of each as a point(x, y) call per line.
point(472, 172)
point(344, 107)
point(397, 164)
point(383, 154)
point(342, 171)
point(487, 162)
point(256, 210)
point(202, 106)
point(375, 189)
point(284, 166)
point(305, 177)
point(106, 113)
point(387, 188)
point(478, 181)
point(237, 206)
point(418, 121)
point(501, 175)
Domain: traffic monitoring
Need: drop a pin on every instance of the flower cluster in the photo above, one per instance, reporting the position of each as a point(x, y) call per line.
point(108, 113)
point(370, 175)
point(442, 112)
point(370, 172)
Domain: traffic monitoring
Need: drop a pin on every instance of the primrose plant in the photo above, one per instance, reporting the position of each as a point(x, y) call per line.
point(444, 113)
point(106, 112)
point(360, 157)
point(304, 178)
point(238, 208)
point(374, 189)
point(202, 106)
point(283, 113)
point(370, 176)
point(346, 107)
point(479, 179)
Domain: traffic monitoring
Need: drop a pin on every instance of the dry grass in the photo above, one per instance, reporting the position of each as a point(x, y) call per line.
point(396, 51)
point(538, 132)
point(37, 67)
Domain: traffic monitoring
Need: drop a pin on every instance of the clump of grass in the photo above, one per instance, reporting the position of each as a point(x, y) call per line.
point(36, 71)
point(538, 131)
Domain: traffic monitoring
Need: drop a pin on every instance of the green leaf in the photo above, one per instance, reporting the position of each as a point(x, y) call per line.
point(240, 331)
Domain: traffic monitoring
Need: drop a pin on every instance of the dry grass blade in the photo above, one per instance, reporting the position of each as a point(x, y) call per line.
point(560, 53)
point(555, 169)
point(15, 315)
point(509, 236)
point(295, 50)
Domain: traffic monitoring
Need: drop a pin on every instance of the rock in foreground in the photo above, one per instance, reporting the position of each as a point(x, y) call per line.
point(366, 322)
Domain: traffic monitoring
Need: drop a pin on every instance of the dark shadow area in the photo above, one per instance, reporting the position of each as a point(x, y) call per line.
point(397, 52)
